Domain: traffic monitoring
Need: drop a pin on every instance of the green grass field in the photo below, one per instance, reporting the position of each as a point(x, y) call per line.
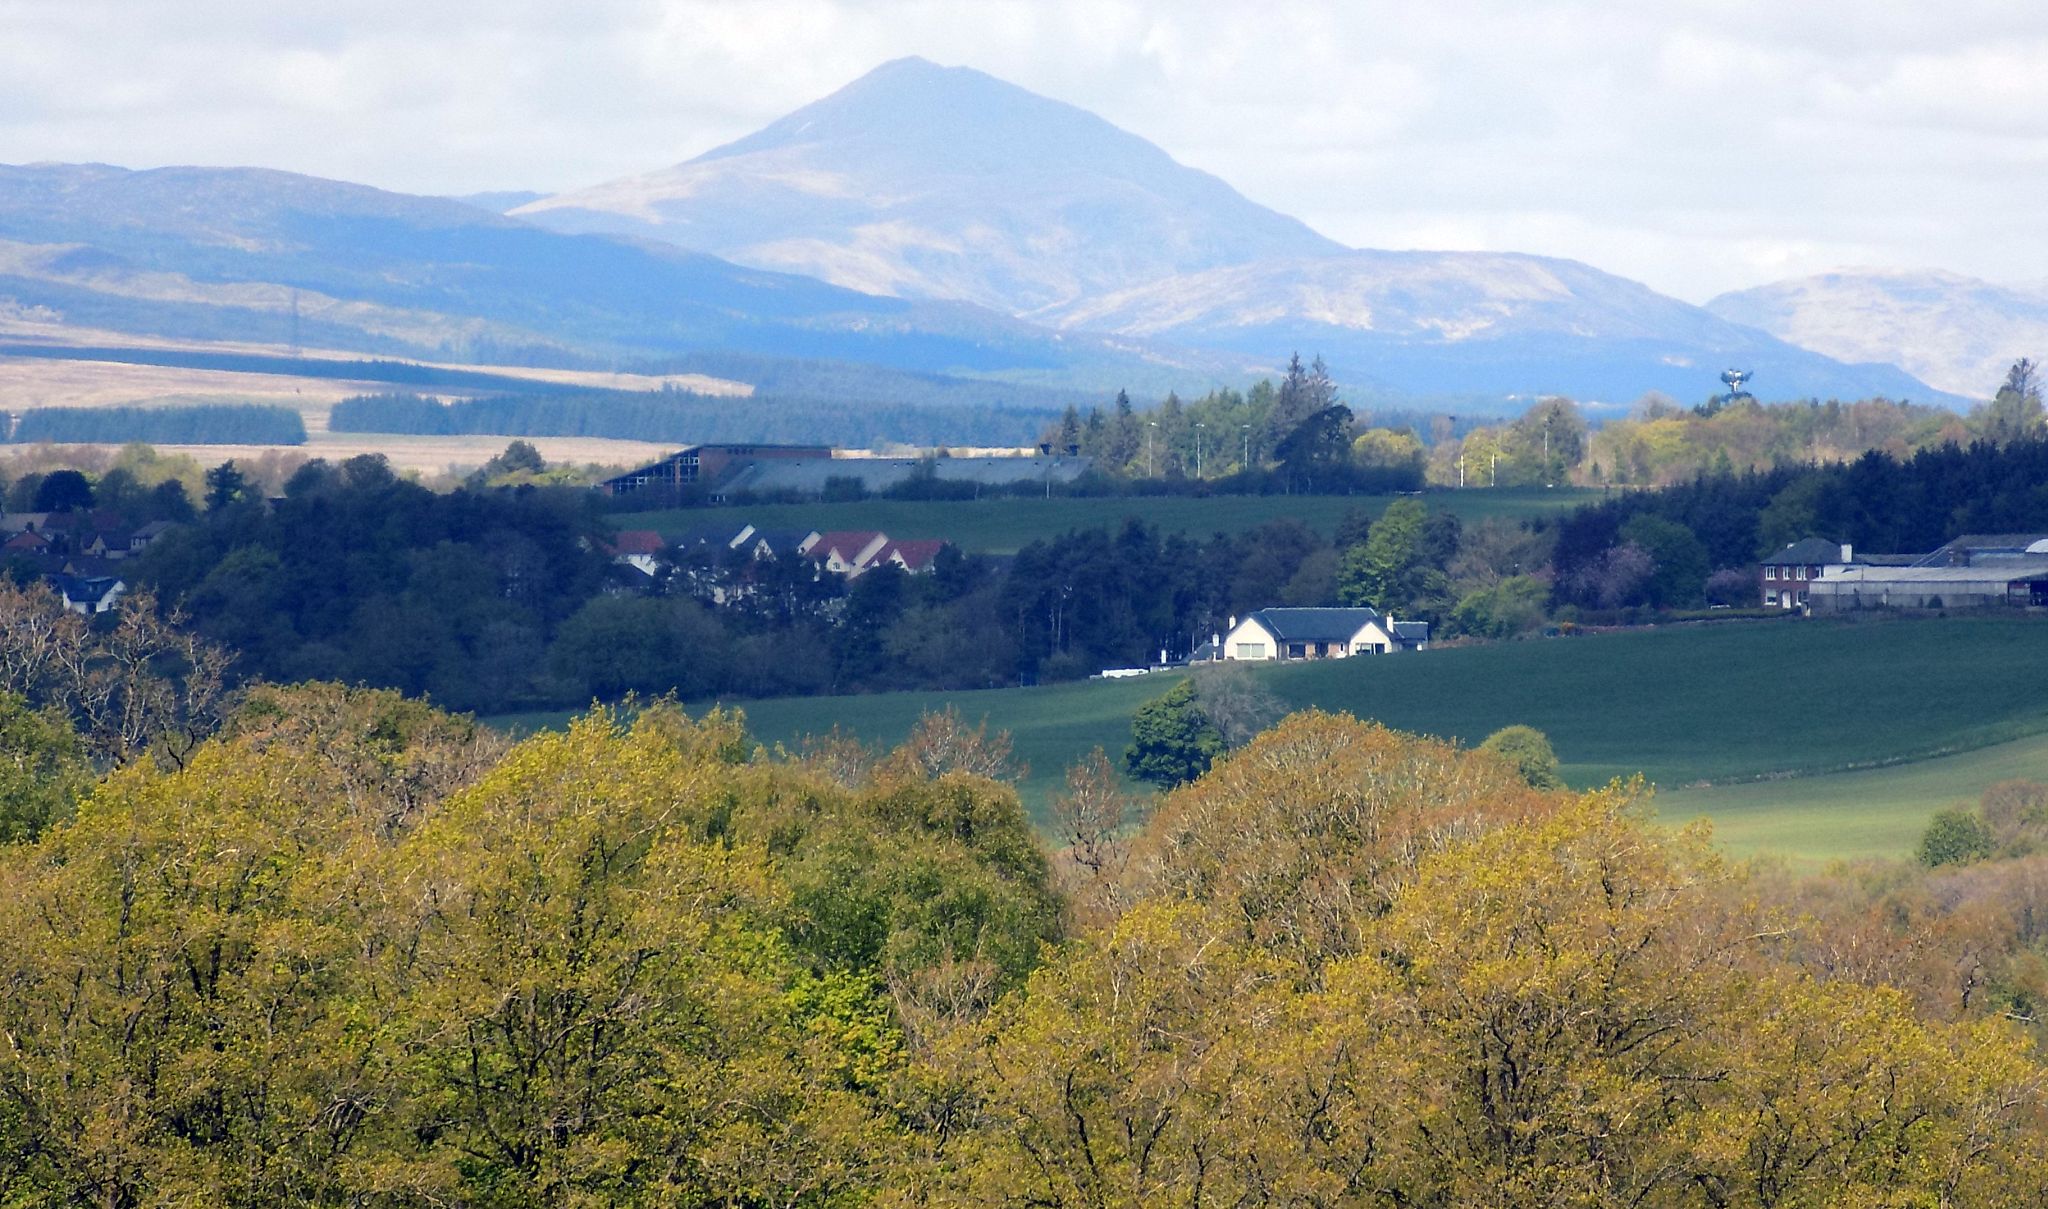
point(1872, 812)
point(1006, 525)
point(1685, 705)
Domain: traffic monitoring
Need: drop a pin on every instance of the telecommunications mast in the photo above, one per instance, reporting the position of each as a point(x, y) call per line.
point(1733, 380)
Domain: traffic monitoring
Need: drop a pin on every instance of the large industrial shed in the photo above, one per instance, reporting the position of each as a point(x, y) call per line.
point(815, 476)
point(1853, 588)
point(722, 471)
point(1968, 573)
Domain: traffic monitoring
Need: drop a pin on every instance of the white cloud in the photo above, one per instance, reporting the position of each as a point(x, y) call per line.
point(1698, 145)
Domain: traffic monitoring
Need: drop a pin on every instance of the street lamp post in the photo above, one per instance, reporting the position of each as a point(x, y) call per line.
point(1151, 471)
point(1198, 448)
point(1247, 447)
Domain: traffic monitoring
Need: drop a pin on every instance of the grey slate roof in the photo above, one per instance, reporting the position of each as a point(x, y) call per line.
point(1411, 631)
point(88, 590)
point(1971, 546)
point(1314, 625)
point(1810, 552)
point(1989, 571)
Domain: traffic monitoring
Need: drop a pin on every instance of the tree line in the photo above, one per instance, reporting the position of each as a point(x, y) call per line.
point(494, 598)
point(676, 417)
point(353, 573)
point(500, 597)
point(1227, 434)
point(497, 597)
point(1663, 547)
point(1270, 437)
point(1662, 443)
point(201, 424)
point(1293, 436)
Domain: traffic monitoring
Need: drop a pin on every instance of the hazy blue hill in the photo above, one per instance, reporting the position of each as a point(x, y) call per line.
point(1958, 332)
point(498, 201)
point(1482, 322)
point(932, 220)
point(218, 253)
point(934, 182)
point(943, 182)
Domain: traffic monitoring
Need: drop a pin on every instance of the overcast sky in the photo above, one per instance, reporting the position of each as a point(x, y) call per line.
point(1698, 145)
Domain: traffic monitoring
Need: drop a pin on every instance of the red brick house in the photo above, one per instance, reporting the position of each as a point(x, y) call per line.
point(1783, 578)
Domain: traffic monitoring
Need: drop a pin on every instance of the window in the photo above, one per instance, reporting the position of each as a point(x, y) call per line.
point(1296, 650)
point(1802, 572)
point(1770, 573)
point(1251, 650)
point(1802, 598)
point(1771, 598)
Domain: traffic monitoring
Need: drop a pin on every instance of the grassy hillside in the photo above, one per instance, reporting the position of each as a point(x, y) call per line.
point(1717, 702)
point(1684, 705)
point(1003, 526)
point(1870, 812)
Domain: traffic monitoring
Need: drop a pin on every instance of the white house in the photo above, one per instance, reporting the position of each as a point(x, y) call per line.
point(845, 552)
point(1283, 634)
point(89, 595)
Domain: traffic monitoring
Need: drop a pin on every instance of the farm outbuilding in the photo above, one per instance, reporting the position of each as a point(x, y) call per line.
point(721, 471)
point(1980, 573)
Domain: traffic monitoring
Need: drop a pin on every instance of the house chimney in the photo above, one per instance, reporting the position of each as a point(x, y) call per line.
point(1233, 622)
point(1848, 553)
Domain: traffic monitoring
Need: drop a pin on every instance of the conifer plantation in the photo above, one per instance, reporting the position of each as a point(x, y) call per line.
point(354, 951)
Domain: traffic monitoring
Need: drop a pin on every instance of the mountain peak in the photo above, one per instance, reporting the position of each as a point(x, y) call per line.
point(928, 181)
point(915, 112)
point(915, 66)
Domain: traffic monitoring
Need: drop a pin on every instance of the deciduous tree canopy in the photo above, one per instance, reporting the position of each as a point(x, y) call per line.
point(358, 952)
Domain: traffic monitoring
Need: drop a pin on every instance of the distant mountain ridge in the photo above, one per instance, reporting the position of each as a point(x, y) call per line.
point(261, 256)
point(996, 234)
point(923, 181)
point(498, 201)
point(1958, 333)
point(1495, 322)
